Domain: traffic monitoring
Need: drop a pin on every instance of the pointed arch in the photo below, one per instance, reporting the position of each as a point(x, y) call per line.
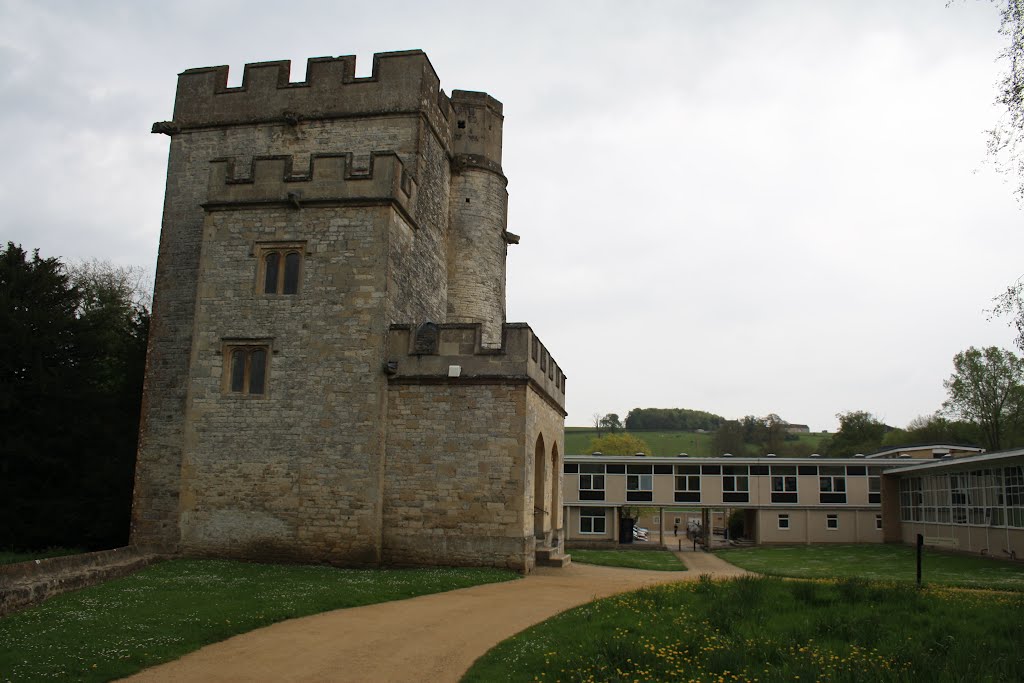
point(540, 488)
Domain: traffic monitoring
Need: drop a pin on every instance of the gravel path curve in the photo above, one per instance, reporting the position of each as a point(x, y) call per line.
point(432, 638)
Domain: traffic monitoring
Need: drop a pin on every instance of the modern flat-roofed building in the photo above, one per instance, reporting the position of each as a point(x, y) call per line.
point(971, 504)
point(786, 500)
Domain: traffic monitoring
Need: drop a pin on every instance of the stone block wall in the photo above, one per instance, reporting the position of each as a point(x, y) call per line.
point(454, 485)
point(362, 448)
point(400, 109)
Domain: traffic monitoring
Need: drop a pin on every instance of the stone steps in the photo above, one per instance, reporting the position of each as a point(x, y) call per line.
point(552, 557)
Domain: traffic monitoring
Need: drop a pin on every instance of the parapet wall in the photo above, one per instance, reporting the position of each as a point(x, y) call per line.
point(329, 179)
point(402, 82)
point(432, 352)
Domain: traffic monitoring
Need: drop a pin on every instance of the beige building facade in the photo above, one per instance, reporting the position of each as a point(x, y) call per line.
point(785, 500)
point(330, 375)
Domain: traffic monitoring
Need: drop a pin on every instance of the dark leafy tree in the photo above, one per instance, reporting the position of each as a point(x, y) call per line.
point(728, 438)
point(677, 419)
point(611, 422)
point(72, 352)
point(934, 429)
point(859, 432)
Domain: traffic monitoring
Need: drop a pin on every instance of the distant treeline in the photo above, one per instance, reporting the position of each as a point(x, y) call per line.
point(681, 419)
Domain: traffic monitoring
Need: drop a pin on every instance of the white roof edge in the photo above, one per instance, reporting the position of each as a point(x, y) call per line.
point(959, 462)
point(921, 447)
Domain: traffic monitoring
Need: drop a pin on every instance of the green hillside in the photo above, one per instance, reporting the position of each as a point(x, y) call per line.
point(669, 443)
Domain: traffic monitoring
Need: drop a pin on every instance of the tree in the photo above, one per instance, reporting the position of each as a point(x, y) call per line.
point(611, 422)
point(859, 432)
point(934, 429)
point(72, 353)
point(728, 438)
point(681, 419)
point(620, 444)
point(1004, 138)
point(987, 388)
point(1011, 304)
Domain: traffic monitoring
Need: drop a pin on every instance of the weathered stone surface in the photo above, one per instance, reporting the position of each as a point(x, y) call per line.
point(361, 449)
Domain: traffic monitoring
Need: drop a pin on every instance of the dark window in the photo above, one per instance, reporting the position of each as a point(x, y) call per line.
point(758, 470)
point(616, 469)
point(278, 280)
point(811, 470)
point(292, 261)
point(711, 469)
point(856, 470)
point(272, 269)
point(663, 469)
point(592, 520)
point(570, 468)
point(248, 369)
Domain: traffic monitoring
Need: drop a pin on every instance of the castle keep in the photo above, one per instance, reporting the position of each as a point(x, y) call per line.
point(330, 376)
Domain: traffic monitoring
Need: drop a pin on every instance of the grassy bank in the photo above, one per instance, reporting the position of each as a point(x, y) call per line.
point(658, 560)
point(879, 562)
point(769, 629)
point(162, 612)
point(670, 443)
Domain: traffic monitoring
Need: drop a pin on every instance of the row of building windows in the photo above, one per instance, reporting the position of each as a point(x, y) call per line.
point(989, 497)
point(735, 481)
point(595, 521)
point(831, 521)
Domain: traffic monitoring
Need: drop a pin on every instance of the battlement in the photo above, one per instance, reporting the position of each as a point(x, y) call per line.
point(401, 82)
point(329, 179)
point(431, 351)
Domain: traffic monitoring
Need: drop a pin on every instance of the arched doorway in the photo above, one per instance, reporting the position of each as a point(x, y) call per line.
point(556, 480)
point(540, 489)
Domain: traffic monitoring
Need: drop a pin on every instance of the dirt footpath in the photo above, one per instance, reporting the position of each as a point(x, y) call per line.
point(430, 638)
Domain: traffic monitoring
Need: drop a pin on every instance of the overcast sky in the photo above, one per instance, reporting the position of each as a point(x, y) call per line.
point(740, 207)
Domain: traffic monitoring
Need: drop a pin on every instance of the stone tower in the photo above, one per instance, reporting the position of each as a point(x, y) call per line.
point(330, 376)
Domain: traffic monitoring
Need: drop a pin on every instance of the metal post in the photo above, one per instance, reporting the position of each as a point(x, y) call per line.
point(920, 547)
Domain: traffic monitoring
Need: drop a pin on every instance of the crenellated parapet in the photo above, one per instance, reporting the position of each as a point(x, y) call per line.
point(329, 179)
point(455, 353)
point(401, 83)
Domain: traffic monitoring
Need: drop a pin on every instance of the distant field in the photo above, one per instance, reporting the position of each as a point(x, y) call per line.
point(577, 442)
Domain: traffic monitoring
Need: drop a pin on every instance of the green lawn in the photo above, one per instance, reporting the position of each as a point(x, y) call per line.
point(767, 630)
point(670, 443)
point(659, 560)
point(11, 557)
point(881, 562)
point(166, 610)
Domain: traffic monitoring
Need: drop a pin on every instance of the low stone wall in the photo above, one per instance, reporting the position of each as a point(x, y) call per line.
point(29, 583)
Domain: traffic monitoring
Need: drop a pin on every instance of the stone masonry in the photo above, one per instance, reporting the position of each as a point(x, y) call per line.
point(330, 376)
